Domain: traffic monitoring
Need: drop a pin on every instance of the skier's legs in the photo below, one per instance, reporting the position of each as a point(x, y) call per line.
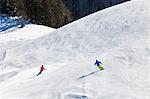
point(39, 73)
point(100, 67)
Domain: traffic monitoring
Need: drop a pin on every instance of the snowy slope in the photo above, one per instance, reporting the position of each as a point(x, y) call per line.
point(30, 31)
point(12, 38)
point(118, 36)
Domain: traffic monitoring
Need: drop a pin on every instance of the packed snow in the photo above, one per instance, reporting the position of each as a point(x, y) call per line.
point(30, 31)
point(117, 36)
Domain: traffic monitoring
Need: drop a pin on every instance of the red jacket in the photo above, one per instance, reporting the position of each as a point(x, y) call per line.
point(42, 68)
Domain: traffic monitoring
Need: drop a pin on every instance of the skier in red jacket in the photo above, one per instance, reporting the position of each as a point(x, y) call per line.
point(41, 70)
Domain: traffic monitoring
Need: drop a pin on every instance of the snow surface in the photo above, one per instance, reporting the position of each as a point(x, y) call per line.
point(118, 36)
point(30, 31)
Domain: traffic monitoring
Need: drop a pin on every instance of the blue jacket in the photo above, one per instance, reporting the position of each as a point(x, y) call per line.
point(98, 63)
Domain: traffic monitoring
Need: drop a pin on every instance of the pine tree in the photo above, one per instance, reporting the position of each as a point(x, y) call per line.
point(48, 12)
point(7, 7)
point(57, 13)
point(20, 8)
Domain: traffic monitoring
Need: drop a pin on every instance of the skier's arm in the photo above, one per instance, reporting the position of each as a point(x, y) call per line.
point(44, 68)
point(100, 62)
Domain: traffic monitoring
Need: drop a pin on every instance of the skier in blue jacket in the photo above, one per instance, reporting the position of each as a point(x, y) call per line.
point(99, 65)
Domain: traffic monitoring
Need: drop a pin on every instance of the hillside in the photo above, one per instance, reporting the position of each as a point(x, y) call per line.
point(118, 36)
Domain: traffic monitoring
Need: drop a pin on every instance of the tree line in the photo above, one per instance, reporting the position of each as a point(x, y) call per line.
point(51, 13)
